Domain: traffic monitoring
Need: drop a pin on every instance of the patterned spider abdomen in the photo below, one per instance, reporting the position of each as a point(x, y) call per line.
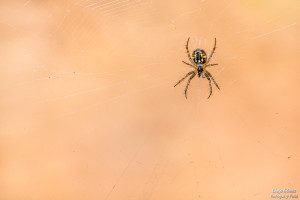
point(199, 56)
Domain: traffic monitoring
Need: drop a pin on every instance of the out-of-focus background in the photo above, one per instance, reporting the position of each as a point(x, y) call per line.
point(89, 111)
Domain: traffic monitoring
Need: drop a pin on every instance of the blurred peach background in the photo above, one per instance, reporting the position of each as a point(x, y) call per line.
point(89, 111)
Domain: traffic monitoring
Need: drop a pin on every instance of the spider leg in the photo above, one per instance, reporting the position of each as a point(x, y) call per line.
point(187, 85)
point(210, 88)
point(208, 74)
point(189, 64)
point(211, 65)
point(188, 52)
point(191, 72)
point(213, 51)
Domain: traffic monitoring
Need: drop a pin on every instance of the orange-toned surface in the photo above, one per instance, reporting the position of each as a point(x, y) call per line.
point(88, 110)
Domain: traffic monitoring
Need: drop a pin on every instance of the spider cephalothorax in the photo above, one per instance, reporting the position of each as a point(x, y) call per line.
point(199, 62)
point(200, 70)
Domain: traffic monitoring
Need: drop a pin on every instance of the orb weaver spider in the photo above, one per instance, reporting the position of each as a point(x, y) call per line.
point(199, 62)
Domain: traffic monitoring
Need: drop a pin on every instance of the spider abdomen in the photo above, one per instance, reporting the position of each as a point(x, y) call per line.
point(199, 56)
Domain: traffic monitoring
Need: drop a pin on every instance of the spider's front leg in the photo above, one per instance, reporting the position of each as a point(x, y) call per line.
point(187, 85)
point(210, 88)
point(191, 72)
point(209, 75)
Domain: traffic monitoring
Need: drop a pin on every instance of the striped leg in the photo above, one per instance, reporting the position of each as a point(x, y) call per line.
point(191, 72)
point(187, 85)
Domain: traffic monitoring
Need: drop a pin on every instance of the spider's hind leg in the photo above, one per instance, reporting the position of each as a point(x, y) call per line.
point(211, 65)
point(212, 52)
point(189, 64)
point(187, 50)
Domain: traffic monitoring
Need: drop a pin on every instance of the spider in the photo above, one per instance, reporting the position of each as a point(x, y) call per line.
point(199, 63)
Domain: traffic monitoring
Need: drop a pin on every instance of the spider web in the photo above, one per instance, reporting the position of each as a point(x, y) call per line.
point(87, 89)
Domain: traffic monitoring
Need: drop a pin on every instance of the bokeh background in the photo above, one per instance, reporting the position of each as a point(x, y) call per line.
point(89, 111)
